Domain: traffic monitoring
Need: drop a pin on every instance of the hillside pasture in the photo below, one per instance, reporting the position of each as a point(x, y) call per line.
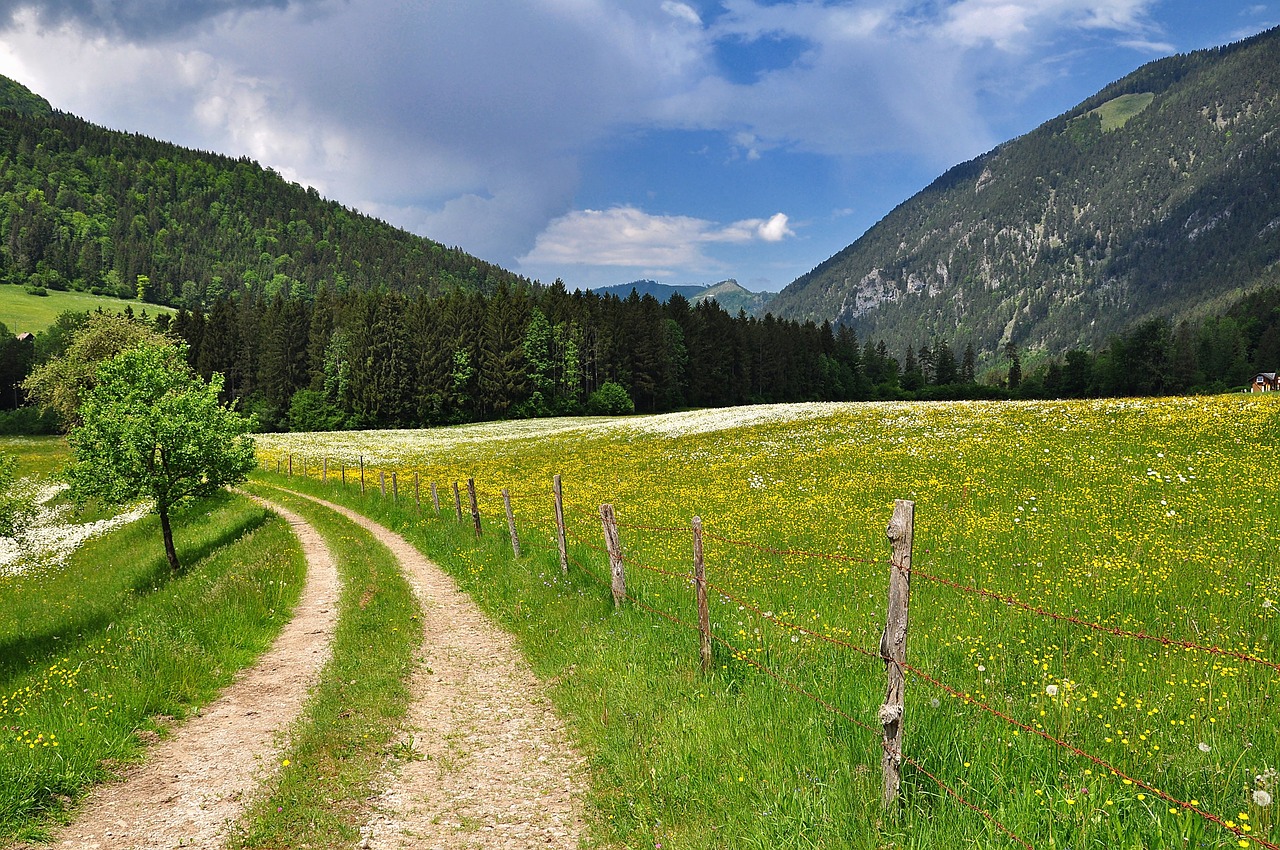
point(22, 312)
point(1115, 113)
point(1093, 631)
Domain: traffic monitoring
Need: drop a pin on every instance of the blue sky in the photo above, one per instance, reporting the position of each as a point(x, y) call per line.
point(601, 141)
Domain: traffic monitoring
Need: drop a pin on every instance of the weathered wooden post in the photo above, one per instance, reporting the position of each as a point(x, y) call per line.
point(511, 522)
point(382, 483)
point(361, 475)
point(435, 497)
point(475, 507)
point(560, 535)
point(457, 501)
point(344, 475)
point(395, 489)
point(618, 582)
point(893, 644)
point(277, 466)
point(700, 582)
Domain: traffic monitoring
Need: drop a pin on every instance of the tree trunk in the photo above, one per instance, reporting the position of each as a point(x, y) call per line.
point(167, 531)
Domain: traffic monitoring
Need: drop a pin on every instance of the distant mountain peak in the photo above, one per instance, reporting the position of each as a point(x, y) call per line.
point(727, 293)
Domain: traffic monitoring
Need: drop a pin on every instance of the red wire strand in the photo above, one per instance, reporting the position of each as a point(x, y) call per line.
point(1098, 627)
point(1115, 771)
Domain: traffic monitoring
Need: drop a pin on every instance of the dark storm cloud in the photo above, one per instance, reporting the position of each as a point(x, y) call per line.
point(136, 20)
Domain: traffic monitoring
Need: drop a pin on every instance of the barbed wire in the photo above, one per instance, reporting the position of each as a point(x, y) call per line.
point(1099, 761)
point(1098, 627)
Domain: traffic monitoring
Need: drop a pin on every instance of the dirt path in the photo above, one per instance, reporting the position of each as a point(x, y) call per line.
point(195, 783)
point(497, 769)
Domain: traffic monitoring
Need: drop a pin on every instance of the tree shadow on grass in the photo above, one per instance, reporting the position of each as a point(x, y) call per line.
point(21, 652)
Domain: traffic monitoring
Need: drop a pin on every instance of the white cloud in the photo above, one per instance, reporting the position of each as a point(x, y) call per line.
point(629, 237)
point(468, 122)
point(775, 229)
point(682, 12)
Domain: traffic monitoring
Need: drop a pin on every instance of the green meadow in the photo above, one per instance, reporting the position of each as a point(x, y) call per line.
point(22, 312)
point(1094, 612)
point(1092, 651)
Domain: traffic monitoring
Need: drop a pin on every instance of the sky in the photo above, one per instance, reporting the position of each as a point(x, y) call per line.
point(603, 141)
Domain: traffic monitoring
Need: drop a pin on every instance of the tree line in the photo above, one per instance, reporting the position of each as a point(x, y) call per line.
point(382, 359)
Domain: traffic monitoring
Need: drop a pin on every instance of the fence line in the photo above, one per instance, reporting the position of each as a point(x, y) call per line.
point(916, 571)
point(743, 655)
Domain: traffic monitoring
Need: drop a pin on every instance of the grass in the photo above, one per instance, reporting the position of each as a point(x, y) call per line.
point(22, 312)
point(111, 645)
point(37, 456)
point(1136, 516)
point(1116, 113)
point(348, 734)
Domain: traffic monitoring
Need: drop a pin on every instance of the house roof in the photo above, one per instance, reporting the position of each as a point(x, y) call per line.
point(1270, 376)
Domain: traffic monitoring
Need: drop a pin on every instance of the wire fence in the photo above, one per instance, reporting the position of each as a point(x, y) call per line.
point(584, 540)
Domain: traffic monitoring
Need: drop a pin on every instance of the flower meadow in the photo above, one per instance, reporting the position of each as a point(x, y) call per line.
point(1095, 612)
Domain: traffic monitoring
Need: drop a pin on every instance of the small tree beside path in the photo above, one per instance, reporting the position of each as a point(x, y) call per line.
point(150, 428)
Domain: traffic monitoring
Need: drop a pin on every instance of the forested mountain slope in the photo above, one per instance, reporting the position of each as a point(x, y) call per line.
point(83, 207)
point(1157, 197)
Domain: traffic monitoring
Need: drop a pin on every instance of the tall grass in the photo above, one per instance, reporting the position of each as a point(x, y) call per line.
point(108, 647)
point(1135, 516)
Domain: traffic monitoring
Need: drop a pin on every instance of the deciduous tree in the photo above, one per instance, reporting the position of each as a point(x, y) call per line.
point(150, 428)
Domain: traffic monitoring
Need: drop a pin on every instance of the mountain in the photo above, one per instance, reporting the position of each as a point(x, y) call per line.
point(660, 291)
point(91, 209)
point(1157, 197)
point(727, 293)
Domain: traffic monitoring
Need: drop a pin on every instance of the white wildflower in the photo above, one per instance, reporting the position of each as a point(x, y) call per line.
point(1203, 747)
point(1051, 690)
point(1261, 798)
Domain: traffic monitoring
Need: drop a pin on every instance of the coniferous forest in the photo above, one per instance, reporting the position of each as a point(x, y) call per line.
point(381, 359)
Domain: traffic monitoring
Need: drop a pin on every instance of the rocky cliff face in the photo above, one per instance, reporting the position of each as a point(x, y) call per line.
point(1158, 196)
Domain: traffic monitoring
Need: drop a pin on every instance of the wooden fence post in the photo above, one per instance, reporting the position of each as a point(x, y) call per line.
point(893, 644)
point(277, 466)
point(618, 582)
point(361, 475)
point(382, 483)
point(560, 535)
point(344, 475)
point(700, 582)
point(457, 501)
point(395, 489)
point(511, 522)
point(435, 497)
point(475, 507)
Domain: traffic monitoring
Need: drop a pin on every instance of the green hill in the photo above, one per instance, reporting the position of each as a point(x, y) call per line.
point(16, 97)
point(1157, 197)
point(95, 210)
